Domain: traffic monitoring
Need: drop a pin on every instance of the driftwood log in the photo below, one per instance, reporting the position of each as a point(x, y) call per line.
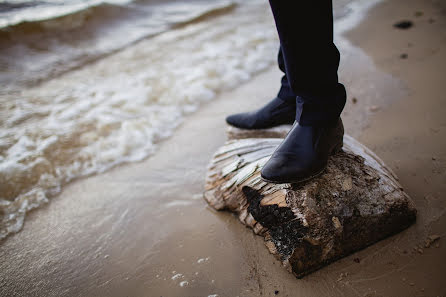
point(356, 202)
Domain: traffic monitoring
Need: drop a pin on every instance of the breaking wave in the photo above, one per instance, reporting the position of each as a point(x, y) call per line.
point(42, 41)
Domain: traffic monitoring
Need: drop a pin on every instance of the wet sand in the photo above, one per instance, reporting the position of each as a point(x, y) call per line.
point(143, 229)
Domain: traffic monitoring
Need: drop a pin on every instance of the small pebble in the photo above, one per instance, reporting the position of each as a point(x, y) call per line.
point(403, 56)
point(418, 13)
point(374, 108)
point(276, 292)
point(354, 99)
point(176, 276)
point(404, 25)
point(357, 260)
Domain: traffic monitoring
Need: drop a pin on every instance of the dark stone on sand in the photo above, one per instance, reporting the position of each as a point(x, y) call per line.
point(403, 56)
point(405, 24)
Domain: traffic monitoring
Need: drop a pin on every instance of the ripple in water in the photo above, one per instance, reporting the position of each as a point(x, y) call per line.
point(117, 109)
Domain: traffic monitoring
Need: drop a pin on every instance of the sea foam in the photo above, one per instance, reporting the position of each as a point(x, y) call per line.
point(119, 108)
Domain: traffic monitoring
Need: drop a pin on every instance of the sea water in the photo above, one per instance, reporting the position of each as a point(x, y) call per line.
point(88, 85)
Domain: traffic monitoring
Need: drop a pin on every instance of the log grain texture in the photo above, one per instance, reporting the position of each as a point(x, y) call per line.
point(356, 202)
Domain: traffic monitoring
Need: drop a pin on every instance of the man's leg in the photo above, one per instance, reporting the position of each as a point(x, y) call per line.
point(279, 111)
point(285, 92)
point(310, 58)
point(311, 63)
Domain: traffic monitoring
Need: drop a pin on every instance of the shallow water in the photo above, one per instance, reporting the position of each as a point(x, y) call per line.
point(117, 109)
point(40, 40)
point(88, 85)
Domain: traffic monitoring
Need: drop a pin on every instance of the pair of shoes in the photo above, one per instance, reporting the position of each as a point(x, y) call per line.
point(304, 152)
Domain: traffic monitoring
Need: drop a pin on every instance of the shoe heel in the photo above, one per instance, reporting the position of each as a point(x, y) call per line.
point(340, 136)
point(337, 148)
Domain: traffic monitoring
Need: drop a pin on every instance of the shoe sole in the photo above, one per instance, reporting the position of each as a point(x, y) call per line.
point(297, 181)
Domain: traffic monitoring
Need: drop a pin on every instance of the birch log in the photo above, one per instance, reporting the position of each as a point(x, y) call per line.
point(356, 202)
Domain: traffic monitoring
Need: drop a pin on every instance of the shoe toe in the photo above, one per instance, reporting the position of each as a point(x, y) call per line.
point(233, 119)
point(278, 169)
point(244, 120)
point(286, 168)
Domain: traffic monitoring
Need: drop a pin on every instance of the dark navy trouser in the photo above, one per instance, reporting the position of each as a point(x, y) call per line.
point(309, 60)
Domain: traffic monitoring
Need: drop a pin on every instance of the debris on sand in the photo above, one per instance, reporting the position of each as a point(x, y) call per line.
point(404, 25)
point(418, 13)
point(430, 240)
point(354, 99)
point(403, 56)
point(374, 108)
point(342, 276)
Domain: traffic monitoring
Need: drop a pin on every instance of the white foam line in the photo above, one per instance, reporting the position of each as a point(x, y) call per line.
point(358, 11)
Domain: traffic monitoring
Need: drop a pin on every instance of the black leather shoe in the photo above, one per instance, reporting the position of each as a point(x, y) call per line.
point(277, 112)
point(303, 154)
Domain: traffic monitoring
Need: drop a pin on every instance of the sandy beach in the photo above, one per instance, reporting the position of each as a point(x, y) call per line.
point(143, 229)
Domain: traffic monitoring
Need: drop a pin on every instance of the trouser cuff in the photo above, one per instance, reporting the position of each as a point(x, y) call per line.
point(312, 112)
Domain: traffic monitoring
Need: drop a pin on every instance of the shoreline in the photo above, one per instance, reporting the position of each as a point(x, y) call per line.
point(142, 229)
point(117, 109)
